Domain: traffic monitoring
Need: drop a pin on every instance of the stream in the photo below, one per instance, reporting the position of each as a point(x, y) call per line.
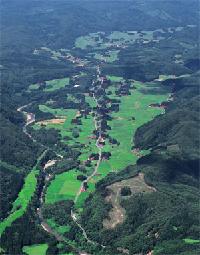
point(30, 119)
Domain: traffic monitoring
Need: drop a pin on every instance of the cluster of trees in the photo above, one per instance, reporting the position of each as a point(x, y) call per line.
point(11, 182)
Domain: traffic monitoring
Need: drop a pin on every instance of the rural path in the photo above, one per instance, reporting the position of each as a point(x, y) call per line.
point(30, 118)
point(97, 128)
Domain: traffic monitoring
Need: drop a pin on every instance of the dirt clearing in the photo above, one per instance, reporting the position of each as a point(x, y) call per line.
point(117, 213)
point(51, 121)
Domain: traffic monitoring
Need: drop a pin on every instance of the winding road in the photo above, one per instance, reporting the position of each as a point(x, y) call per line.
point(30, 118)
point(97, 128)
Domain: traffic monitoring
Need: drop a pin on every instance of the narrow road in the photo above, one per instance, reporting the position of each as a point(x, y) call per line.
point(97, 128)
point(30, 118)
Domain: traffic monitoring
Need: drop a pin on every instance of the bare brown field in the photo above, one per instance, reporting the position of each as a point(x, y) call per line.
point(51, 121)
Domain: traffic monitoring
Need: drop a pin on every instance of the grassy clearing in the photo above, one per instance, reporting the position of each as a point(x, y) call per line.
point(129, 36)
point(24, 197)
point(123, 126)
point(68, 254)
point(85, 130)
point(21, 203)
point(84, 195)
point(123, 36)
point(115, 78)
point(191, 241)
point(109, 57)
point(33, 87)
point(37, 249)
point(56, 84)
point(91, 101)
point(57, 111)
point(51, 85)
point(59, 229)
point(90, 40)
point(63, 187)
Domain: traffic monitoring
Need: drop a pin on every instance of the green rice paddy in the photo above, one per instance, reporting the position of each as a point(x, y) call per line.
point(109, 57)
point(56, 84)
point(57, 111)
point(51, 85)
point(123, 127)
point(134, 111)
point(115, 78)
point(65, 186)
point(37, 249)
point(88, 41)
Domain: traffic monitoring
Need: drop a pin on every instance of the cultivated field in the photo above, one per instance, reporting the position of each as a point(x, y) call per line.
point(39, 249)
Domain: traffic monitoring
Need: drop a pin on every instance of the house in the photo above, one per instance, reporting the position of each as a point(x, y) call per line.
point(83, 189)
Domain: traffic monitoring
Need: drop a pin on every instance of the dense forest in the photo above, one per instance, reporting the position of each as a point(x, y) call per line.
point(158, 220)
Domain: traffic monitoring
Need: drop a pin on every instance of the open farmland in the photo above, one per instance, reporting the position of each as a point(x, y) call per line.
point(133, 112)
point(65, 186)
point(77, 117)
point(39, 249)
point(56, 84)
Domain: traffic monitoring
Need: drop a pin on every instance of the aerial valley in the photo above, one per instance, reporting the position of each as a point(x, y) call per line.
point(98, 165)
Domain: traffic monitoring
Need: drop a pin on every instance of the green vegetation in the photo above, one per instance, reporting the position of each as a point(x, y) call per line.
point(65, 186)
point(9, 166)
point(21, 203)
point(56, 84)
point(33, 87)
point(115, 78)
point(109, 57)
point(191, 241)
point(56, 112)
point(37, 249)
point(60, 229)
point(123, 126)
point(161, 146)
point(24, 197)
point(88, 41)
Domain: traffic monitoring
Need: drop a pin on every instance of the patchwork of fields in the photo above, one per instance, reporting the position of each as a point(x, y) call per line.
point(133, 112)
